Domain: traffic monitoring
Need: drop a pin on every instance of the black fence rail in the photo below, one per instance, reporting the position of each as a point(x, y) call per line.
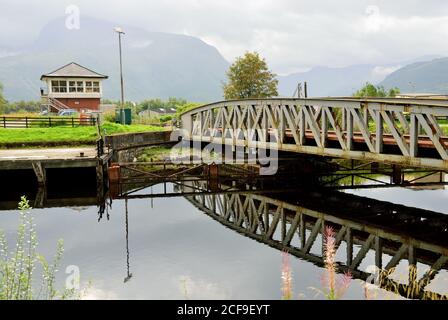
point(45, 122)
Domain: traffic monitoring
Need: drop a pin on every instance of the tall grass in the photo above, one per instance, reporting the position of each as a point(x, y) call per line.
point(286, 277)
point(19, 272)
point(334, 286)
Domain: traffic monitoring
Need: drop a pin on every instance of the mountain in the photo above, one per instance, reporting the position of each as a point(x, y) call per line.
point(326, 81)
point(425, 77)
point(343, 81)
point(155, 64)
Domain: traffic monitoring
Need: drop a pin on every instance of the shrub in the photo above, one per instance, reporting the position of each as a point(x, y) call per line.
point(166, 118)
point(18, 267)
point(109, 116)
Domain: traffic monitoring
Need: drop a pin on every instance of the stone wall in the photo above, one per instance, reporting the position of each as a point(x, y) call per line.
point(119, 142)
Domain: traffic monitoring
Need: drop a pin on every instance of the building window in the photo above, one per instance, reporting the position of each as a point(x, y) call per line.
point(89, 88)
point(75, 86)
point(59, 86)
point(79, 86)
point(96, 86)
point(92, 86)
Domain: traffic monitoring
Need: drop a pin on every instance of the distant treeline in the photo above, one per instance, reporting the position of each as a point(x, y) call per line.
point(370, 90)
point(157, 105)
point(19, 107)
point(171, 105)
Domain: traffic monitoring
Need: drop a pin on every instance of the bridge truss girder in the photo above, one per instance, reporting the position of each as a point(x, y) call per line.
point(392, 131)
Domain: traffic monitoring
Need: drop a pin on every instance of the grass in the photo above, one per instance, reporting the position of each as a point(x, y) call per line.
point(156, 153)
point(443, 124)
point(64, 136)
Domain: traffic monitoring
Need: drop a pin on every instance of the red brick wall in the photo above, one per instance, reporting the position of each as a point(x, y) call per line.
point(83, 103)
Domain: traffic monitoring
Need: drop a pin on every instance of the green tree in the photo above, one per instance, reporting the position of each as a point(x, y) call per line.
point(186, 107)
point(250, 77)
point(370, 90)
point(393, 92)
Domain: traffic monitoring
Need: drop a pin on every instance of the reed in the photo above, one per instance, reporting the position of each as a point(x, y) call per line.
point(286, 277)
point(334, 286)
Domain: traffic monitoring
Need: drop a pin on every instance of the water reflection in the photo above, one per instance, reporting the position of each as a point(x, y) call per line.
point(177, 251)
point(129, 274)
point(390, 232)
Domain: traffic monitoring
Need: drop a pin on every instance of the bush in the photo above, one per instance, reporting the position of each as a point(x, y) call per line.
point(17, 268)
point(109, 116)
point(166, 118)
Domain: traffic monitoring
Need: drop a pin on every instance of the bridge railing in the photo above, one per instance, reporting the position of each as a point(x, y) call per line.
point(406, 131)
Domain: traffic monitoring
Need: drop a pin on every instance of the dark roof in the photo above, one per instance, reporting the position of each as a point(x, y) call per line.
point(73, 70)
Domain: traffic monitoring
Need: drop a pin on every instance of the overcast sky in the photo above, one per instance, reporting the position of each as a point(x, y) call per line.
point(291, 34)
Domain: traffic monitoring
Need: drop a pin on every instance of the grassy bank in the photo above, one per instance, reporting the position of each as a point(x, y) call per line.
point(156, 153)
point(64, 136)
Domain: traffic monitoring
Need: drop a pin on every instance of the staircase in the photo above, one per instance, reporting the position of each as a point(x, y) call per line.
point(52, 103)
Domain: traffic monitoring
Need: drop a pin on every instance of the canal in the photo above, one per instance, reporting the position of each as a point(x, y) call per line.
point(175, 248)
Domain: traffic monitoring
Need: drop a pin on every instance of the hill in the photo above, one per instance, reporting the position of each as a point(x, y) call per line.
point(428, 77)
point(344, 81)
point(155, 64)
point(327, 81)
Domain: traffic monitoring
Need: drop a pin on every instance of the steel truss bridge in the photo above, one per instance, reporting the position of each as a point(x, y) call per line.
point(408, 132)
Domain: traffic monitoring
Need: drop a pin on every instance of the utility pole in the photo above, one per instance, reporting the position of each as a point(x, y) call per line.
point(301, 94)
point(298, 90)
point(120, 32)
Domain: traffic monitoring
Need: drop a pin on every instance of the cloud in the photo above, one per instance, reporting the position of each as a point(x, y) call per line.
point(98, 294)
point(199, 289)
point(290, 34)
point(381, 72)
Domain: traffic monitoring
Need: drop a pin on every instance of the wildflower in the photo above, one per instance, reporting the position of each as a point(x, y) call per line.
point(334, 286)
point(286, 277)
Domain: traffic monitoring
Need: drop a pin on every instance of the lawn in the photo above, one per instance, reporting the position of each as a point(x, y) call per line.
point(65, 136)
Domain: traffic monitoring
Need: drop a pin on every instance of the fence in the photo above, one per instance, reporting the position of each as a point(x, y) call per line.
point(45, 122)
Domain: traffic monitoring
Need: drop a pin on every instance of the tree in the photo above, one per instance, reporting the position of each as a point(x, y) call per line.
point(370, 90)
point(249, 77)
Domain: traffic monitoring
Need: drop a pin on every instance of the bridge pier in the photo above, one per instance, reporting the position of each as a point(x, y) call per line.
point(397, 174)
point(39, 171)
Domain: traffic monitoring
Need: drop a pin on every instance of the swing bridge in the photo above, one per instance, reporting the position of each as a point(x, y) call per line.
point(406, 132)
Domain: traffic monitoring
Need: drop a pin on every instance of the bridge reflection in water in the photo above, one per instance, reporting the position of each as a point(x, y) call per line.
point(389, 231)
point(367, 231)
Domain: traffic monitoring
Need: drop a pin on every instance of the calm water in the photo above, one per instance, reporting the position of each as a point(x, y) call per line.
point(175, 251)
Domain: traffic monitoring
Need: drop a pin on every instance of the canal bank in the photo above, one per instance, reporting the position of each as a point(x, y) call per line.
point(76, 165)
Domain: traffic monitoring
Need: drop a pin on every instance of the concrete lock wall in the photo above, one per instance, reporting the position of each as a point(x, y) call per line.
point(120, 142)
